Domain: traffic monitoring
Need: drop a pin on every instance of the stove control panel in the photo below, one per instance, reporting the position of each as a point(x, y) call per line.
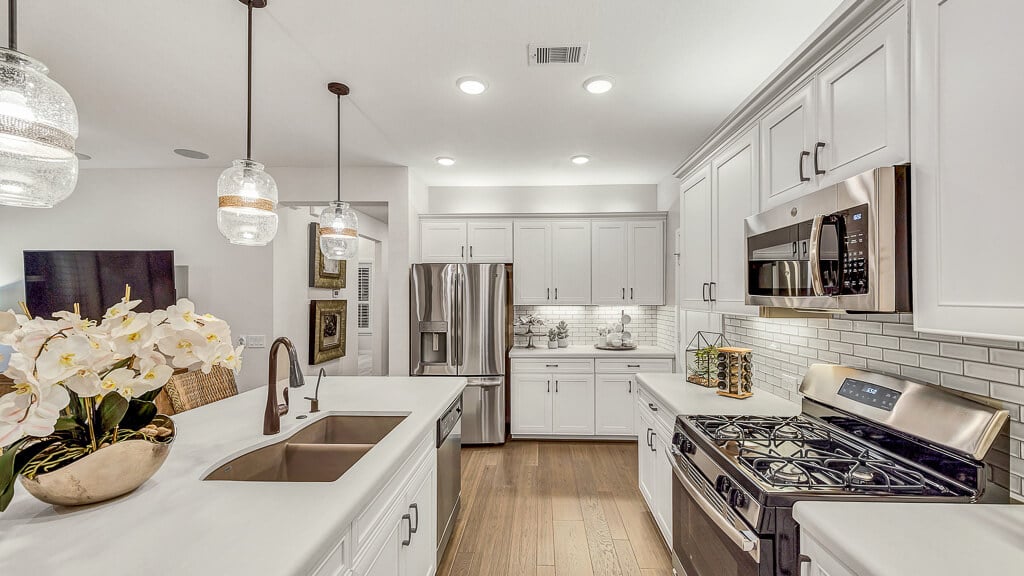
point(870, 394)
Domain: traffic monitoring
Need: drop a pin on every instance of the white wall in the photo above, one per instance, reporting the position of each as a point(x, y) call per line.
point(152, 210)
point(542, 199)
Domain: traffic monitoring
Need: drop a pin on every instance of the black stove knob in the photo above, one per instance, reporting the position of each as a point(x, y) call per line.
point(722, 485)
point(677, 439)
point(686, 445)
point(737, 499)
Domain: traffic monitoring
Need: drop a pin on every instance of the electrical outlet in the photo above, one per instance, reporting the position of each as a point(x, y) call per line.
point(242, 341)
point(336, 294)
point(257, 341)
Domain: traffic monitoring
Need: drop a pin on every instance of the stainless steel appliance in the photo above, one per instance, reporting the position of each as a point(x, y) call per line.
point(459, 327)
point(861, 437)
point(845, 247)
point(449, 473)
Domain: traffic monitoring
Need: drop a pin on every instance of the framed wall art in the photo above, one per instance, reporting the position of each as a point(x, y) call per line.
point(323, 272)
point(328, 324)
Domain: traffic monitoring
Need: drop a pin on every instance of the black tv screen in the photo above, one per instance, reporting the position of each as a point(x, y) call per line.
point(95, 279)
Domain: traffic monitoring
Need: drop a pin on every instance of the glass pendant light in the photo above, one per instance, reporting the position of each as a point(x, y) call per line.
point(246, 194)
point(339, 225)
point(38, 129)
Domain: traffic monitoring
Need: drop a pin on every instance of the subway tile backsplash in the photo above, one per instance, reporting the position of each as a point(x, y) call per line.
point(887, 343)
point(584, 321)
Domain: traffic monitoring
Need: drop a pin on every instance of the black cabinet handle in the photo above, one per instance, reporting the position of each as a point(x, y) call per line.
point(556, 293)
point(551, 365)
point(803, 154)
point(470, 251)
point(632, 365)
point(649, 437)
point(414, 528)
point(556, 386)
point(462, 251)
point(549, 386)
point(652, 407)
point(408, 519)
point(817, 148)
point(711, 291)
point(631, 293)
point(653, 434)
point(630, 382)
point(705, 287)
point(623, 293)
point(549, 293)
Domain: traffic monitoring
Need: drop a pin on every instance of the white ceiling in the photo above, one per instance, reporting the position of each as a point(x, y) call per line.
point(151, 75)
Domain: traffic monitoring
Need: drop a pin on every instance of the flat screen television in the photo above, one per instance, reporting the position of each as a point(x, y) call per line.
point(95, 279)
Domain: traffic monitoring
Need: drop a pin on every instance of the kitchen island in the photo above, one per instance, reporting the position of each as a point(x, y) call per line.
point(178, 524)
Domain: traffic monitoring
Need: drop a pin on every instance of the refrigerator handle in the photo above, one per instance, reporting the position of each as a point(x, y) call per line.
point(459, 316)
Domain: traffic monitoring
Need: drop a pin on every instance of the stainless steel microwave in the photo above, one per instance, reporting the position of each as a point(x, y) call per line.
point(845, 247)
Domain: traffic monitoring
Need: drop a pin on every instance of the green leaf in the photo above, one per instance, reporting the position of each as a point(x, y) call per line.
point(8, 473)
point(67, 423)
point(111, 411)
point(151, 395)
point(140, 413)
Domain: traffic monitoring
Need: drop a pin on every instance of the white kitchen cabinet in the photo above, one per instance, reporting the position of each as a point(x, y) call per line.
point(442, 241)
point(734, 185)
point(645, 459)
point(788, 134)
point(570, 262)
point(531, 403)
point(646, 281)
point(532, 263)
point(490, 241)
point(863, 105)
point(386, 558)
point(610, 262)
point(420, 555)
point(662, 481)
point(818, 561)
point(695, 218)
point(572, 406)
point(967, 123)
point(614, 404)
point(655, 468)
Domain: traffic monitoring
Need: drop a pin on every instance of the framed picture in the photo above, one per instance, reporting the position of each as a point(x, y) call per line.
point(323, 272)
point(328, 322)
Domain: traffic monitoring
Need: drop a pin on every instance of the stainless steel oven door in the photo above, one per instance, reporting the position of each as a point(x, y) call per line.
point(708, 539)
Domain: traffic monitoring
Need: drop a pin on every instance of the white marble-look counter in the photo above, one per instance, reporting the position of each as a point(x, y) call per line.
point(684, 398)
point(589, 352)
point(177, 524)
point(900, 539)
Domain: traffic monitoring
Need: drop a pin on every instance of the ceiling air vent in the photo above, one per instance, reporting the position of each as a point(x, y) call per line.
point(558, 53)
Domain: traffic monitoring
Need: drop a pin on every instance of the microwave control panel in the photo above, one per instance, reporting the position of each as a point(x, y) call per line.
point(855, 257)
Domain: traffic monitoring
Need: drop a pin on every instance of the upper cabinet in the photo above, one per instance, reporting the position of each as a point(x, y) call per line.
point(552, 262)
point(628, 262)
point(967, 122)
point(695, 237)
point(610, 266)
point(850, 117)
point(532, 264)
point(474, 241)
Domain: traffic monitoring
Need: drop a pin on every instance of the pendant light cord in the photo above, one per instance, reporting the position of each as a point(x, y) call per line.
point(12, 24)
point(248, 96)
point(339, 147)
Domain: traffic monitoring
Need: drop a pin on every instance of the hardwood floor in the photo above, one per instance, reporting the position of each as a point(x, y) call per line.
point(554, 509)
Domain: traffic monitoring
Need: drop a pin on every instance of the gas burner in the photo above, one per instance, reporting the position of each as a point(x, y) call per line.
point(787, 473)
point(729, 432)
point(860, 474)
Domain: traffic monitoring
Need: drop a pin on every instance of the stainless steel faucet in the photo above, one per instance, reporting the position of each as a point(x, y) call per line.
point(274, 411)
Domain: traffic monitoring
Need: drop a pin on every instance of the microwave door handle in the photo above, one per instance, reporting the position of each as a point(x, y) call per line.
point(816, 284)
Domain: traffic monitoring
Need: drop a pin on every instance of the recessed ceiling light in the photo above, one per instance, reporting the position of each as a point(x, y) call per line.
point(83, 156)
point(471, 85)
point(445, 160)
point(599, 84)
point(193, 154)
point(580, 159)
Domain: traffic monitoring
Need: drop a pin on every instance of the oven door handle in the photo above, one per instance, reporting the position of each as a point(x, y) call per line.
point(816, 284)
point(744, 540)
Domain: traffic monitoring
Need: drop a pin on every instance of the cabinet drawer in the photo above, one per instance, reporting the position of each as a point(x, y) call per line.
point(634, 366)
point(656, 410)
point(555, 366)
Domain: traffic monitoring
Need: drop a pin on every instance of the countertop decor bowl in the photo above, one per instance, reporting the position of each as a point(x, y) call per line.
point(105, 474)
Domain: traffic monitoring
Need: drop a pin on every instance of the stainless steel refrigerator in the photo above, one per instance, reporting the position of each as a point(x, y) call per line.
point(459, 316)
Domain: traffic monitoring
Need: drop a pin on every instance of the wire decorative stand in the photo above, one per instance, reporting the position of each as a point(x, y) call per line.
point(701, 358)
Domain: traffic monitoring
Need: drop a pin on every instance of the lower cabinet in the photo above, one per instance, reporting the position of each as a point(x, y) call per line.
point(613, 404)
point(655, 468)
point(553, 404)
point(817, 561)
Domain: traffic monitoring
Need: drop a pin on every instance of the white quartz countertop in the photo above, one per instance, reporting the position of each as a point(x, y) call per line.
point(900, 539)
point(177, 524)
point(684, 398)
point(589, 352)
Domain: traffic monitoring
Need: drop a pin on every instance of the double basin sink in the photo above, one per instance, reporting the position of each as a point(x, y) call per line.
point(320, 452)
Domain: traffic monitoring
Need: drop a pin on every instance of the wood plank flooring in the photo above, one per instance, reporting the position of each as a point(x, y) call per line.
point(554, 509)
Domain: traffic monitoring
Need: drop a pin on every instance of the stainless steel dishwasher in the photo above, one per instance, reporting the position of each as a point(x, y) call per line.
point(449, 473)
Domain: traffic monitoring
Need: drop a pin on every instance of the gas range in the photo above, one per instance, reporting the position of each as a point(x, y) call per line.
point(861, 437)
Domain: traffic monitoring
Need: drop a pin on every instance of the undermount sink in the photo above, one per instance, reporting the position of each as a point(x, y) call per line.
point(320, 452)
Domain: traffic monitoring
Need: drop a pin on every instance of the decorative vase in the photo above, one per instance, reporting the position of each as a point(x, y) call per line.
point(105, 474)
point(552, 343)
point(563, 342)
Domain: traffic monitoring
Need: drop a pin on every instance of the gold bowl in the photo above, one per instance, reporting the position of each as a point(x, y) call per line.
point(107, 473)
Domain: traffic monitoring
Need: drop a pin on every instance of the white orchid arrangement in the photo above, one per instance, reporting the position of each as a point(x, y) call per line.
point(80, 386)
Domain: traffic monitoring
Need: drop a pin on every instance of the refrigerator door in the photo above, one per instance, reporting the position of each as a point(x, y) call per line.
point(483, 402)
point(433, 318)
point(481, 294)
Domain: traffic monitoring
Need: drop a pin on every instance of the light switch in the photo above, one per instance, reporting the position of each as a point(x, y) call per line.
point(257, 341)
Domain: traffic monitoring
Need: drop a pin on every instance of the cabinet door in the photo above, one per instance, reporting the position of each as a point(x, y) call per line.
point(572, 405)
point(387, 559)
point(613, 402)
point(695, 222)
point(864, 105)
point(967, 128)
point(734, 178)
point(609, 263)
point(662, 482)
point(531, 403)
point(442, 241)
point(490, 241)
point(787, 140)
point(532, 261)
point(570, 264)
point(645, 463)
point(420, 555)
point(647, 263)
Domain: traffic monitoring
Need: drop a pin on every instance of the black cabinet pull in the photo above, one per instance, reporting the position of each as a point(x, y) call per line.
point(556, 386)
point(803, 154)
point(549, 386)
point(630, 386)
point(623, 293)
point(711, 291)
point(408, 519)
point(704, 291)
point(653, 434)
point(794, 248)
point(632, 365)
point(470, 251)
point(551, 365)
point(414, 528)
point(630, 293)
point(652, 407)
point(549, 293)
point(556, 293)
point(462, 251)
point(817, 148)
point(649, 437)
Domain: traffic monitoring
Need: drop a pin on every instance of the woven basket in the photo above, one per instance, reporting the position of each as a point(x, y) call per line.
point(194, 389)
